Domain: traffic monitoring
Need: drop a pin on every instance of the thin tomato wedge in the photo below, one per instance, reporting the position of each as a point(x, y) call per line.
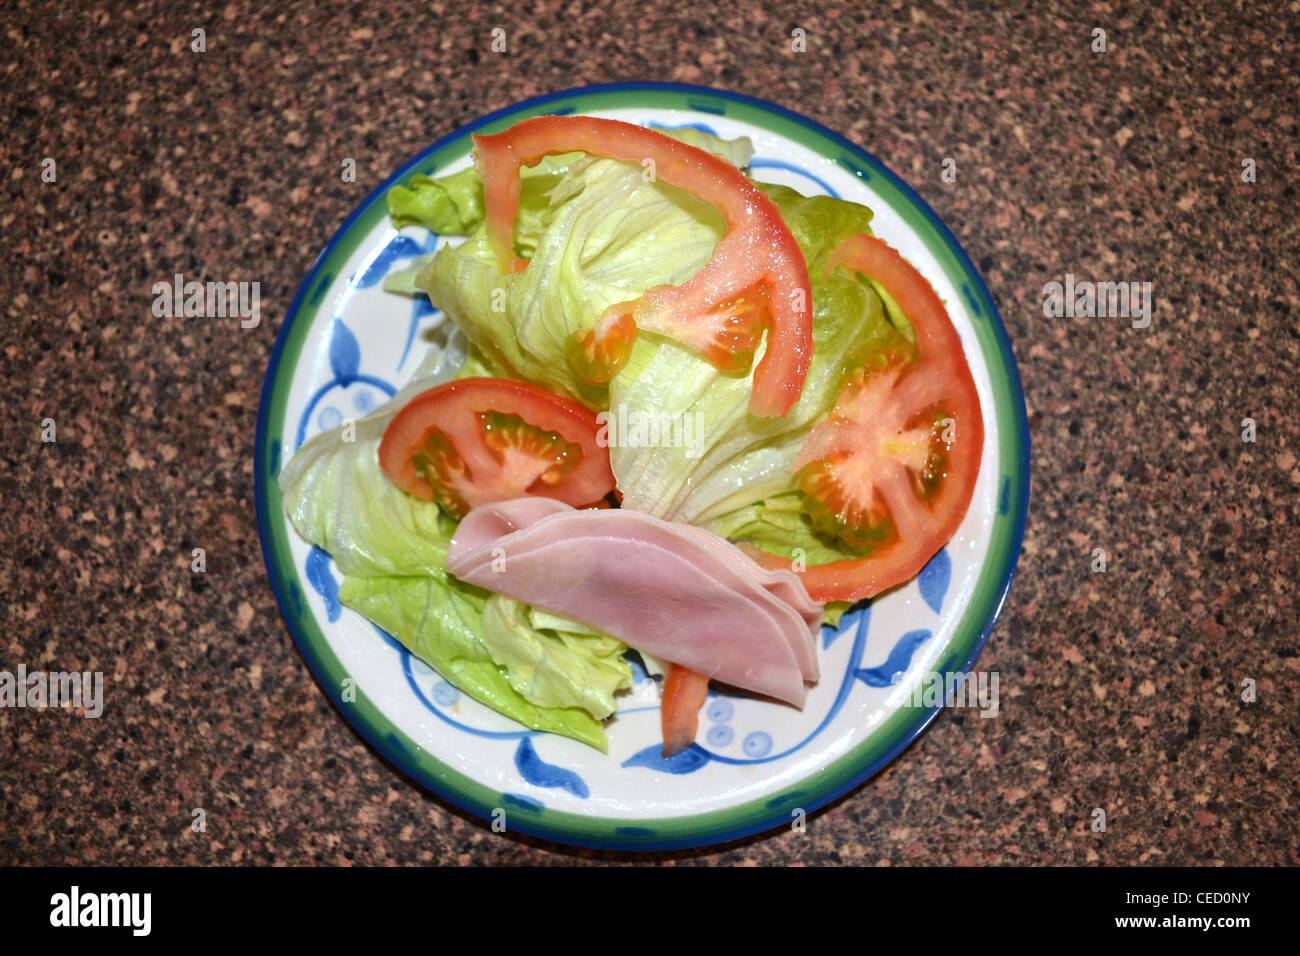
point(892, 469)
point(756, 280)
point(684, 694)
point(476, 440)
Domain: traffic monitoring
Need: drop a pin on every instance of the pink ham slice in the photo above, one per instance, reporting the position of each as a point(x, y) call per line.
point(782, 584)
point(736, 569)
point(518, 514)
point(675, 591)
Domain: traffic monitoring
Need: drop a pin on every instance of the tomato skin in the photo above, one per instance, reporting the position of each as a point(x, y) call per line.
point(454, 411)
point(757, 261)
point(940, 376)
point(684, 694)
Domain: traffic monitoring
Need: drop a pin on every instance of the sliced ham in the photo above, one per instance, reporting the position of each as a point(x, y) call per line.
point(709, 550)
point(675, 591)
point(501, 519)
point(784, 585)
point(727, 562)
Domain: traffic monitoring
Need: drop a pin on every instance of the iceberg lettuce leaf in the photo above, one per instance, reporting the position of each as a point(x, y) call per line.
point(392, 549)
point(339, 499)
point(440, 620)
point(736, 458)
point(552, 667)
point(452, 205)
point(605, 233)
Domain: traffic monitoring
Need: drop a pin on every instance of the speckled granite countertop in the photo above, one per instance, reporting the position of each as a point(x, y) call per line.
point(1121, 690)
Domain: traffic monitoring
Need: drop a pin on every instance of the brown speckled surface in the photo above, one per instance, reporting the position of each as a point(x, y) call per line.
point(1120, 690)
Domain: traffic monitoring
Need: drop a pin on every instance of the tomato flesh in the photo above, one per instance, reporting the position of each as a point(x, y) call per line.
point(477, 440)
point(757, 279)
point(892, 469)
point(684, 694)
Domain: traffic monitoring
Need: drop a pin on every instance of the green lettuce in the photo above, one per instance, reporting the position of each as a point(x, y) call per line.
point(779, 526)
point(339, 499)
point(453, 205)
point(402, 281)
point(603, 233)
point(738, 459)
point(555, 666)
point(392, 550)
point(446, 205)
point(442, 621)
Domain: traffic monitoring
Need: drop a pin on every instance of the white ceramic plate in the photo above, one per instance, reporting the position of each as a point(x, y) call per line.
point(346, 345)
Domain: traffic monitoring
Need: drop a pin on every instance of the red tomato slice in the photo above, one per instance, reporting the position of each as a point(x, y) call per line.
point(684, 694)
point(893, 467)
point(476, 440)
point(756, 279)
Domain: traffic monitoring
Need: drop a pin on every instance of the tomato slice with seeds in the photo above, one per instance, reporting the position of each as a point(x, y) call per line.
point(757, 279)
point(892, 469)
point(476, 440)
